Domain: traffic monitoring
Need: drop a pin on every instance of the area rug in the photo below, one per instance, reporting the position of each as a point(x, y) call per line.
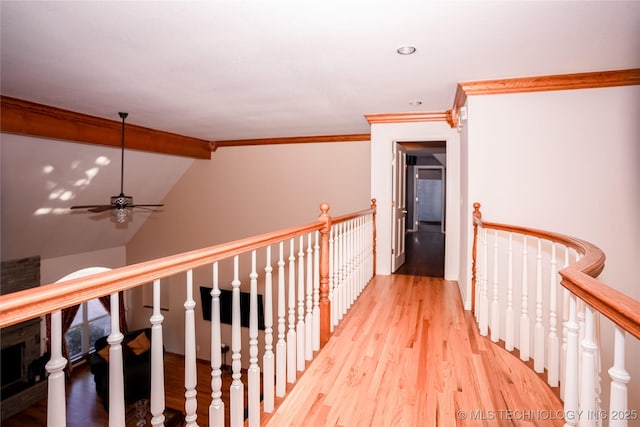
point(172, 417)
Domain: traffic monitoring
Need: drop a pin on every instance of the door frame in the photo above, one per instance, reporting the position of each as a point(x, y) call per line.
point(383, 136)
point(443, 196)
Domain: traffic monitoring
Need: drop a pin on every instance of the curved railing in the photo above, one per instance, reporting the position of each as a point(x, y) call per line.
point(328, 263)
point(562, 333)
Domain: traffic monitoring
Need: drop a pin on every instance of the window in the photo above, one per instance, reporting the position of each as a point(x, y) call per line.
point(91, 322)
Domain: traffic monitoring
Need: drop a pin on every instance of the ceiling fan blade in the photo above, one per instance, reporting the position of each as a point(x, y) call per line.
point(102, 208)
point(91, 207)
point(146, 207)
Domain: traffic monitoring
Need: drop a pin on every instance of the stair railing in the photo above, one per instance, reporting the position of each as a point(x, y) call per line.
point(537, 293)
point(303, 279)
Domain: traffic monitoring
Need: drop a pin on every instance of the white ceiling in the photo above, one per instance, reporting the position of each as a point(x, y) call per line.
point(221, 70)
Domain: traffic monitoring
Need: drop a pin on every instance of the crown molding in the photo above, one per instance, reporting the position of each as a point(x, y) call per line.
point(592, 80)
point(28, 118)
point(291, 140)
point(425, 116)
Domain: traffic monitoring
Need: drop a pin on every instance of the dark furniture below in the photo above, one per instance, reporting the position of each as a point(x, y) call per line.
point(137, 367)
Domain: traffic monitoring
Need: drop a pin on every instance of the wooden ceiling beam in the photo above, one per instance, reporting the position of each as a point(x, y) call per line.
point(28, 118)
point(292, 140)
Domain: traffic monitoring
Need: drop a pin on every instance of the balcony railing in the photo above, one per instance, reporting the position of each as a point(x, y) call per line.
point(310, 274)
point(538, 294)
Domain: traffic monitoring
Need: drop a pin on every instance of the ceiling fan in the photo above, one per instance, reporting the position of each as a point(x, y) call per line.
point(121, 205)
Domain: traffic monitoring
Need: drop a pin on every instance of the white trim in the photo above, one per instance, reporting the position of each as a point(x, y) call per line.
point(383, 136)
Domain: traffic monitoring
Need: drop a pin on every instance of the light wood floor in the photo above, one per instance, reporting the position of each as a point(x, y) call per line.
point(408, 355)
point(405, 355)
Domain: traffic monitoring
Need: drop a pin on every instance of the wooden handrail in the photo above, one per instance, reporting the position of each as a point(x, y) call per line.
point(24, 305)
point(580, 278)
point(19, 306)
point(354, 215)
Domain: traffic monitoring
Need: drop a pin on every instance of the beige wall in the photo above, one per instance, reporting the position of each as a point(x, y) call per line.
point(241, 192)
point(565, 161)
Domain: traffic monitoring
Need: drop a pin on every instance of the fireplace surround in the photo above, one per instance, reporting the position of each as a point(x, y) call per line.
point(22, 382)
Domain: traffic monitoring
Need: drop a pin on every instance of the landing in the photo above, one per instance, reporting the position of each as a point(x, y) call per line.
point(407, 354)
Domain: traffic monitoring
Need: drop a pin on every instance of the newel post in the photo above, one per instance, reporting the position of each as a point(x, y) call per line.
point(375, 210)
point(324, 303)
point(477, 219)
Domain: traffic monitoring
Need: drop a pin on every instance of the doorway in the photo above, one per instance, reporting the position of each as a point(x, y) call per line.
point(425, 186)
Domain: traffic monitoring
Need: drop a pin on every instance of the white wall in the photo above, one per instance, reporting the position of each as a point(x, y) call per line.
point(383, 137)
point(565, 161)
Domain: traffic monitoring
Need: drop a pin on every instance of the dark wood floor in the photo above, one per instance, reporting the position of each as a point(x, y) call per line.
point(85, 409)
point(424, 252)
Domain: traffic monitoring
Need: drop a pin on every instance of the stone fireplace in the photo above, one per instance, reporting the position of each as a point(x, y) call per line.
point(22, 381)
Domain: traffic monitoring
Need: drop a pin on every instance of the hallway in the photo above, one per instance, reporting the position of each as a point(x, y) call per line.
point(407, 354)
point(424, 252)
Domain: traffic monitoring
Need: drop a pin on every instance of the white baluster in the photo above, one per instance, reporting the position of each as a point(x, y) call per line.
point(190, 374)
point(116, 370)
point(619, 380)
point(339, 284)
point(509, 321)
point(596, 325)
point(495, 306)
point(216, 408)
point(581, 319)
point(588, 384)
point(350, 266)
point(308, 320)
point(565, 318)
point(291, 334)
point(236, 394)
point(357, 257)
point(253, 373)
point(524, 309)
point(571, 366)
point(361, 255)
point(316, 293)
point(281, 346)
point(538, 334)
point(553, 351)
point(156, 404)
point(267, 358)
point(56, 403)
point(332, 278)
point(300, 327)
point(344, 278)
point(484, 298)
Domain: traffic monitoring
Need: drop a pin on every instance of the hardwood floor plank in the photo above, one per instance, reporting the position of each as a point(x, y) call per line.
point(414, 358)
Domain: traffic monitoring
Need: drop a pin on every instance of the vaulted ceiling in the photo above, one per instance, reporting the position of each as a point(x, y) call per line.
point(227, 70)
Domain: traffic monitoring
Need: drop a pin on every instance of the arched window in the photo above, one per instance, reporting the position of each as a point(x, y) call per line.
point(84, 323)
point(90, 323)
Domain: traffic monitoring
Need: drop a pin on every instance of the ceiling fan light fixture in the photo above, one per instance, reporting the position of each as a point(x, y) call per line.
point(121, 215)
point(121, 201)
point(406, 50)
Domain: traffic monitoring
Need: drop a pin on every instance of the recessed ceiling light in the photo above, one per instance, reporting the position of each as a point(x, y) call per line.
point(406, 50)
